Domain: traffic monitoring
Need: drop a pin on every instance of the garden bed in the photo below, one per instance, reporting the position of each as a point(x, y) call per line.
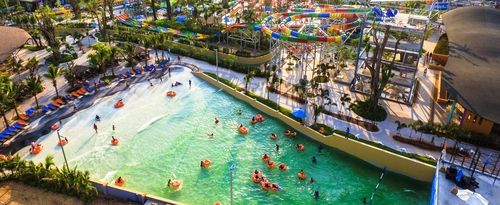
point(429, 146)
point(364, 124)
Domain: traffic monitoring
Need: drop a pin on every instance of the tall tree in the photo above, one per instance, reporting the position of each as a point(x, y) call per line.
point(154, 8)
point(75, 4)
point(380, 73)
point(46, 24)
point(97, 10)
point(100, 57)
point(35, 86)
point(53, 72)
point(4, 97)
point(169, 9)
point(13, 64)
point(248, 78)
point(32, 65)
point(14, 91)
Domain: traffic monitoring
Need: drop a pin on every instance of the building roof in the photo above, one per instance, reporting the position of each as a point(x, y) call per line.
point(11, 38)
point(472, 73)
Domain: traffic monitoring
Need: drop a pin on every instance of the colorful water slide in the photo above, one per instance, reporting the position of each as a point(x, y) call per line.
point(275, 25)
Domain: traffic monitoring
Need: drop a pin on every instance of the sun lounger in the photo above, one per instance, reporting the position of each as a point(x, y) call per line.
point(60, 101)
point(75, 94)
point(18, 126)
point(45, 109)
point(51, 106)
point(54, 103)
point(120, 76)
point(137, 70)
point(128, 74)
point(3, 136)
point(12, 129)
point(81, 91)
point(30, 111)
point(22, 122)
point(132, 72)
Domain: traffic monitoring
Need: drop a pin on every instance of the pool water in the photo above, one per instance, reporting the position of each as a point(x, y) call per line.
point(163, 138)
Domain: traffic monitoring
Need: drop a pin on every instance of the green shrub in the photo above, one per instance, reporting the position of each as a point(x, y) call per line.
point(361, 108)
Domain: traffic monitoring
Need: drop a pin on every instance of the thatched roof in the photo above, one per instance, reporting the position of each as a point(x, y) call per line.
point(11, 38)
point(472, 73)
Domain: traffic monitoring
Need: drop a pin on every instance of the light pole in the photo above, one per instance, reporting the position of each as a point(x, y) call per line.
point(62, 148)
point(217, 63)
point(231, 170)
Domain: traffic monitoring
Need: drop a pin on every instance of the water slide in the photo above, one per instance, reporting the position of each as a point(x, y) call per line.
point(275, 25)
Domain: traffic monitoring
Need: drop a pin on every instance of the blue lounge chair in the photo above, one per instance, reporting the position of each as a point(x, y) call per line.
point(30, 111)
point(120, 75)
point(2, 136)
point(137, 70)
point(12, 129)
point(128, 74)
point(45, 109)
point(18, 126)
point(52, 107)
point(6, 132)
point(67, 97)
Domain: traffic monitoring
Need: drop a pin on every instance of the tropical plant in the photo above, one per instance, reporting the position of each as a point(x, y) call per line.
point(13, 64)
point(169, 9)
point(4, 97)
point(98, 11)
point(345, 99)
point(45, 18)
point(13, 89)
point(248, 78)
point(100, 57)
point(75, 4)
point(317, 109)
point(35, 86)
point(46, 175)
point(54, 72)
point(32, 65)
point(400, 125)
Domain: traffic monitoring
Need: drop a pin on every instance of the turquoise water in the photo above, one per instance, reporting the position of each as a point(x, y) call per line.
point(162, 138)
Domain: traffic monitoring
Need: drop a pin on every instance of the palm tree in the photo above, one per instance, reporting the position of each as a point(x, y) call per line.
point(70, 76)
point(248, 77)
point(35, 85)
point(53, 72)
point(345, 99)
point(400, 126)
point(13, 64)
point(169, 9)
point(317, 109)
point(418, 124)
point(113, 55)
point(32, 65)
point(147, 42)
point(4, 98)
point(153, 7)
point(13, 89)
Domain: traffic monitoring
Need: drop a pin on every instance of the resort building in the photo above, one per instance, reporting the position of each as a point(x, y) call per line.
point(470, 79)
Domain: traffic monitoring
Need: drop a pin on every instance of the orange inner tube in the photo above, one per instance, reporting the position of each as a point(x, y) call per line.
point(300, 147)
point(283, 167)
point(171, 93)
point(255, 178)
point(217, 203)
point(175, 184)
point(206, 163)
point(37, 149)
point(114, 141)
point(265, 158)
point(274, 137)
point(270, 164)
point(119, 182)
point(243, 130)
point(63, 142)
point(301, 175)
point(119, 104)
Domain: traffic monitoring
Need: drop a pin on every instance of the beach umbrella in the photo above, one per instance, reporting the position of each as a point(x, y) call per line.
point(299, 113)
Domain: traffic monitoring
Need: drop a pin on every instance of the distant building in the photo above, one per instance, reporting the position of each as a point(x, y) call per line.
point(470, 80)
